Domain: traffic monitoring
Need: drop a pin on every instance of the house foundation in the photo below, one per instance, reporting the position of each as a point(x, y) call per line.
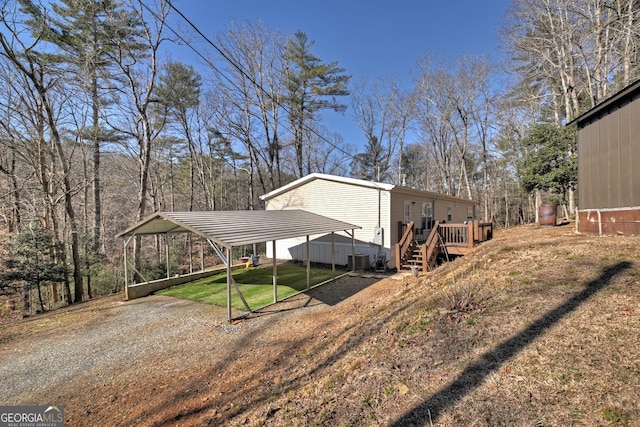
point(609, 221)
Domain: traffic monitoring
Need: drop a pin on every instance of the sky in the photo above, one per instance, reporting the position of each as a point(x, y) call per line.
point(370, 39)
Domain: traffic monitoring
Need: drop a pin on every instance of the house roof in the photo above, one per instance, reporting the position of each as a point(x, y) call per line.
point(237, 228)
point(359, 183)
point(628, 92)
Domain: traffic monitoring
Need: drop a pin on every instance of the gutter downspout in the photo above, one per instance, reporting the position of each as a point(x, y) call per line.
point(599, 222)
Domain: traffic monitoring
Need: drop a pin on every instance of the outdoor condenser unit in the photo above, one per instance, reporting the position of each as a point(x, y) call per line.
point(362, 261)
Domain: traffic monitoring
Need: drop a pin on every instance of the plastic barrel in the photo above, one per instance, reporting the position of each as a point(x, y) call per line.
point(548, 214)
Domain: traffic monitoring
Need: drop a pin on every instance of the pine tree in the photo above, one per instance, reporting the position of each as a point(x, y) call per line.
point(312, 86)
point(88, 32)
point(32, 265)
point(551, 162)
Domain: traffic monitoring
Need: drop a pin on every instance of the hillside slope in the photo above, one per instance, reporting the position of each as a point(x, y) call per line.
point(539, 326)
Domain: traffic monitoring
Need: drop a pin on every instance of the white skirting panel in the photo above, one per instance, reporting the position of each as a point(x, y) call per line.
point(294, 249)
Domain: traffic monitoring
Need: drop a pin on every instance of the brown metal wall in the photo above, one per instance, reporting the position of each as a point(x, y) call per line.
point(609, 156)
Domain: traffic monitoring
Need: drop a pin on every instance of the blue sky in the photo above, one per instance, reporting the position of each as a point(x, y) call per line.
point(369, 39)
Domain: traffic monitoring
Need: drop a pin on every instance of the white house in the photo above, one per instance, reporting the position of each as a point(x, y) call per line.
point(382, 210)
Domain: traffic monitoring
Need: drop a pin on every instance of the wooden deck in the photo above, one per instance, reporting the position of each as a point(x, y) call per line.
point(454, 239)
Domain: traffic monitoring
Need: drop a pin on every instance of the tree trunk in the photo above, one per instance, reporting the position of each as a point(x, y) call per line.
point(26, 301)
point(97, 202)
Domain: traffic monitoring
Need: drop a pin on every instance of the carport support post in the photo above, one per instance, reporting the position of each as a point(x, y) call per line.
point(274, 276)
point(308, 264)
point(333, 256)
point(228, 284)
point(166, 250)
point(353, 249)
point(126, 269)
point(201, 254)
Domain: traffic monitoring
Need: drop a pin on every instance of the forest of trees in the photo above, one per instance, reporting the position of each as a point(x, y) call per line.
point(101, 127)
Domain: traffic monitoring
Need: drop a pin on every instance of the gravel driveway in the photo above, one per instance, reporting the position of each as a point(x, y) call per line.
point(100, 342)
point(126, 355)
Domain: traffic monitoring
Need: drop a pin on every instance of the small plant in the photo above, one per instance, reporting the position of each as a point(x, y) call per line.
point(369, 400)
point(472, 319)
point(389, 390)
point(463, 298)
point(616, 416)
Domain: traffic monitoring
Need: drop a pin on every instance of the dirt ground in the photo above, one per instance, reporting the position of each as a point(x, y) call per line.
point(540, 326)
point(147, 361)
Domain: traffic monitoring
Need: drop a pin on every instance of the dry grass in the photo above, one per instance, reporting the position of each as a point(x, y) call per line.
point(538, 327)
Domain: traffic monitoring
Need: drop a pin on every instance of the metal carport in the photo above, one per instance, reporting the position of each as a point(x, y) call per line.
point(225, 230)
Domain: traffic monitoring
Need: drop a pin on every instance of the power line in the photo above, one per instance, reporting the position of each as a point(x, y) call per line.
point(242, 72)
point(196, 51)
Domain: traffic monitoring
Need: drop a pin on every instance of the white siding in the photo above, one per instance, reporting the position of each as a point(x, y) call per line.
point(364, 205)
point(296, 249)
point(342, 201)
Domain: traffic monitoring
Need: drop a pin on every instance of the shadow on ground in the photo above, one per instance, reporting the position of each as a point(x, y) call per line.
point(328, 294)
point(428, 411)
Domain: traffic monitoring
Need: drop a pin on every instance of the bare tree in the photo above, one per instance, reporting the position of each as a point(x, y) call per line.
point(252, 89)
point(138, 65)
point(45, 93)
point(374, 109)
point(573, 50)
point(438, 121)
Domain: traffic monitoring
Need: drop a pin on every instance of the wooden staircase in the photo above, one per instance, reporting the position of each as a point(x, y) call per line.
point(411, 254)
point(414, 256)
point(454, 239)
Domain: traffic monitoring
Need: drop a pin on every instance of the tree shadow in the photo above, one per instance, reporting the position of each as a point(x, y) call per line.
point(334, 293)
point(330, 294)
point(246, 395)
point(491, 361)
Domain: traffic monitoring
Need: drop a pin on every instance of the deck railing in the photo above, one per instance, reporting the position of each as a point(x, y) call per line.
point(456, 239)
point(431, 248)
point(402, 247)
point(465, 235)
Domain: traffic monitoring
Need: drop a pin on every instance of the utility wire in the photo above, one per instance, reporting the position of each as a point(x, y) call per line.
point(208, 61)
point(241, 71)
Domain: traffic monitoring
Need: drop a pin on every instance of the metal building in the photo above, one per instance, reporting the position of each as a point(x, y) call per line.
point(608, 165)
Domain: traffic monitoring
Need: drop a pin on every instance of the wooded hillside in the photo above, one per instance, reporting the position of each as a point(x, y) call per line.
point(99, 127)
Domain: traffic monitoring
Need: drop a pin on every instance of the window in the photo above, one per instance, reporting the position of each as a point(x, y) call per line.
point(427, 215)
point(427, 209)
point(448, 213)
point(407, 212)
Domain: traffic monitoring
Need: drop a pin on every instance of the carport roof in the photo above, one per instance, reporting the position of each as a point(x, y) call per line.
point(237, 228)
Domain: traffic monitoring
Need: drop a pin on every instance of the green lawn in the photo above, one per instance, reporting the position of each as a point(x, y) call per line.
point(254, 283)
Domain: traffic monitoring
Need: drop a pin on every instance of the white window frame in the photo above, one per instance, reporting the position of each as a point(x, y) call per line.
point(407, 212)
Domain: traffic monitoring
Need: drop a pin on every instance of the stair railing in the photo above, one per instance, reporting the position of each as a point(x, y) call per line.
point(430, 248)
point(403, 245)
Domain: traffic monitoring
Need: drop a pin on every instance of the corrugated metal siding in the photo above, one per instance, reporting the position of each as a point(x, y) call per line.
point(634, 157)
point(608, 153)
point(236, 228)
point(587, 154)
